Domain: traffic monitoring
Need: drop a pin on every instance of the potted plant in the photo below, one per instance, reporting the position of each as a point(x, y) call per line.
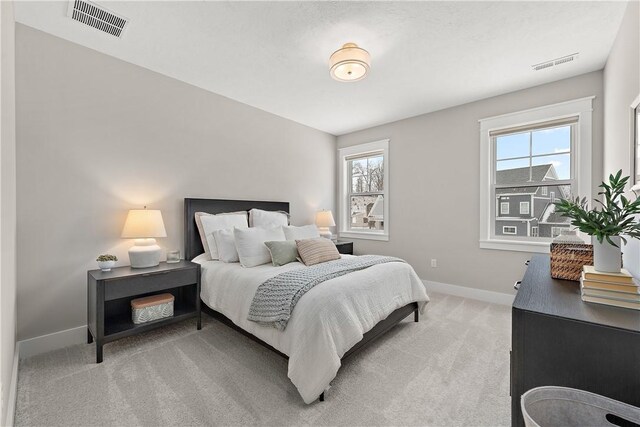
point(106, 262)
point(607, 225)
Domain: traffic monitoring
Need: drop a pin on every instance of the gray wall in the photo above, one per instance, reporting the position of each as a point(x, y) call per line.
point(621, 87)
point(7, 203)
point(98, 136)
point(434, 169)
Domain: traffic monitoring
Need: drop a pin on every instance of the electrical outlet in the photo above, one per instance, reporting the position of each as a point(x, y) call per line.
point(434, 263)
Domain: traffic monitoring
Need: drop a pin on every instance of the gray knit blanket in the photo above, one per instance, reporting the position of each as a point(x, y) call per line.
point(276, 298)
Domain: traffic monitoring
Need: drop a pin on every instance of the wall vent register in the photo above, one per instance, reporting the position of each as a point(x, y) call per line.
point(555, 62)
point(97, 17)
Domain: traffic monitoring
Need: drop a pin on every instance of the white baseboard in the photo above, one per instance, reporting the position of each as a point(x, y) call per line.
point(473, 293)
point(53, 341)
point(13, 390)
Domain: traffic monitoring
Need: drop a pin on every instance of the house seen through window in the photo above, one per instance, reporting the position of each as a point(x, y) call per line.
point(532, 167)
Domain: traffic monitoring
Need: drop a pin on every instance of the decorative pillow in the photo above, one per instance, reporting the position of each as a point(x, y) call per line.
point(201, 258)
point(300, 233)
point(226, 244)
point(267, 219)
point(250, 244)
point(282, 252)
point(211, 223)
point(315, 251)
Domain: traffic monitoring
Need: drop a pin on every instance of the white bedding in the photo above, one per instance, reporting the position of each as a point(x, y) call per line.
point(327, 321)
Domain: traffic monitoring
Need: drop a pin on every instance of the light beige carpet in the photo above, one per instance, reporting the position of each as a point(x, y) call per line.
point(450, 369)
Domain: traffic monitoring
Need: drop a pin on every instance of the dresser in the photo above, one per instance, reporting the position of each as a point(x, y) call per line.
point(557, 339)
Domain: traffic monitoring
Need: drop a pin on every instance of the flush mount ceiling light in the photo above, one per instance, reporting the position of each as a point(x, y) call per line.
point(350, 63)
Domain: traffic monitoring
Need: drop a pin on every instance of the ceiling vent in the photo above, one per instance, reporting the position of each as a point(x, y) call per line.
point(554, 62)
point(97, 17)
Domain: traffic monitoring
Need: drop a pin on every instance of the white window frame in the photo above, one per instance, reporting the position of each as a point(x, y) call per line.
point(552, 196)
point(545, 191)
point(528, 210)
point(581, 154)
point(343, 178)
point(634, 132)
point(509, 226)
point(504, 208)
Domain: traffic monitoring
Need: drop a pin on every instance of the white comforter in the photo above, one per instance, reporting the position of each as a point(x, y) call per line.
point(327, 321)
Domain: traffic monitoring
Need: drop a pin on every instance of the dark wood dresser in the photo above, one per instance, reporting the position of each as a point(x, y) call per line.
point(557, 339)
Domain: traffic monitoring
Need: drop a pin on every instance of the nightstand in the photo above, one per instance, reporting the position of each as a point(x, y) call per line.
point(109, 295)
point(345, 247)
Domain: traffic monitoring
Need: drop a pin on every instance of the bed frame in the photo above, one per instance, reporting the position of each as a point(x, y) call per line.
point(193, 247)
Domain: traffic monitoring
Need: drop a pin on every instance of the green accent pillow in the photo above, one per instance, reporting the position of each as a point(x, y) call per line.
point(283, 252)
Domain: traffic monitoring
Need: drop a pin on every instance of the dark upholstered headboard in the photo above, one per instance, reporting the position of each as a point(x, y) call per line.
point(192, 244)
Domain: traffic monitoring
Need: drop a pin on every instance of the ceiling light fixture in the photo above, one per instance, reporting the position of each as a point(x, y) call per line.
point(349, 63)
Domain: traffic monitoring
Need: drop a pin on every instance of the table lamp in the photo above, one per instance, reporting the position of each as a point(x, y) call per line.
point(324, 220)
point(144, 225)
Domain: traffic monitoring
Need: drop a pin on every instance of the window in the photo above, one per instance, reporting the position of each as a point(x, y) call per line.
point(542, 151)
point(552, 196)
point(507, 229)
point(534, 231)
point(504, 208)
point(364, 194)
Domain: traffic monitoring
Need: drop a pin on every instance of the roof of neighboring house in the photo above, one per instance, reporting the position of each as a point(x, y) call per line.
point(521, 175)
point(550, 216)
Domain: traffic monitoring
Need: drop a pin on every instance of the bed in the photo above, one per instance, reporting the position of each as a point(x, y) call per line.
point(323, 329)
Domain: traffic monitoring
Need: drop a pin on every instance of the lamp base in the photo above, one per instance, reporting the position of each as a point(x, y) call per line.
point(325, 232)
point(145, 253)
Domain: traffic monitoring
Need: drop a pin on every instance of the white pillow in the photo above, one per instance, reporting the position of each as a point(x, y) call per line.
point(226, 244)
point(203, 238)
point(301, 233)
point(267, 219)
point(211, 223)
point(250, 244)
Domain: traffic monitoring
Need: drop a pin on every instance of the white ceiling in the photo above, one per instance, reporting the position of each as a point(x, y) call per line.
point(426, 56)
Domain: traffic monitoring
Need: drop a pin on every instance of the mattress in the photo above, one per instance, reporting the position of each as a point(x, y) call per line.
point(327, 321)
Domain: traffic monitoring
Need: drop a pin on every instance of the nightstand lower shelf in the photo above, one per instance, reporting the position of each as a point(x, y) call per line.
point(121, 326)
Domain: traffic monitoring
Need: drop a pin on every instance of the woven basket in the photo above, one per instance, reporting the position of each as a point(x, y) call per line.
point(567, 260)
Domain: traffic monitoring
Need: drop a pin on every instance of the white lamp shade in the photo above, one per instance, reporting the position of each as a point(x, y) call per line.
point(325, 219)
point(143, 223)
point(349, 63)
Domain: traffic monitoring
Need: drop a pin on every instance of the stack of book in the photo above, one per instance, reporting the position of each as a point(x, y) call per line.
point(617, 289)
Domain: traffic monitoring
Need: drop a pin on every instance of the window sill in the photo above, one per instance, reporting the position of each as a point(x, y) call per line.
point(515, 245)
point(364, 235)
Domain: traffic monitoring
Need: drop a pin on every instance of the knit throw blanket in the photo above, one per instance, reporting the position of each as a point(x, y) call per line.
point(276, 298)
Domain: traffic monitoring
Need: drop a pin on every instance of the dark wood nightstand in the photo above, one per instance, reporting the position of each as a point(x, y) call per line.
point(109, 295)
point(344, 247)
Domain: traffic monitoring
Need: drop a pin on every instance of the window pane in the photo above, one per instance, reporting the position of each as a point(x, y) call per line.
point(367, 212)
point(551, 141)
point(359, 184)
point(559, 165)
point(375, 171)
point(530, 212)
point(514, 145)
